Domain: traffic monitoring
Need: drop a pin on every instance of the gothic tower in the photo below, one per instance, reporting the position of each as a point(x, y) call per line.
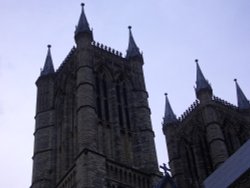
point(206, 135)
point(93, 126)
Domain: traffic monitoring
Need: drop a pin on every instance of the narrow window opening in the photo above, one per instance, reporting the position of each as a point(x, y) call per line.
point(194, 164)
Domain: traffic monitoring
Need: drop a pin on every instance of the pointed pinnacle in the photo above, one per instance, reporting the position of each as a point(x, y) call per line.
point(132, 50)
point(243, 103)
point(48, 65)
point(169, 116)
point(201, 82)
point(83, 25)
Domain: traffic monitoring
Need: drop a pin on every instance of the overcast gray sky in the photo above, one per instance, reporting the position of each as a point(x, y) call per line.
point(171, 34)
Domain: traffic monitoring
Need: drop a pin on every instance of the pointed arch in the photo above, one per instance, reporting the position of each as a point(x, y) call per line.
point(187, 162)
point(65, 139)
point(103, 82)
point(102, 69)
point(202, 152)
point(244, 132)
point(124, 76)
point(195, 155)
point(123, 88)
point(232, 137)
point(103, 91)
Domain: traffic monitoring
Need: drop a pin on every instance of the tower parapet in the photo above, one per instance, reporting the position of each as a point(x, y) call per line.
point(189, 111)
point(68, 57)
point(224, 103)
point(106, 48)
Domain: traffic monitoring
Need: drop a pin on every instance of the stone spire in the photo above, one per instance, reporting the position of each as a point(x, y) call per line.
point(201, 82)
point(203, 89)
point(132, 50)
point(169, 116)
point(48, 65)
point(83, 25)
point(243, 103)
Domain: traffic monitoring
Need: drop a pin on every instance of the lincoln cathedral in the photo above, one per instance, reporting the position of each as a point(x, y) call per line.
point(93, 127)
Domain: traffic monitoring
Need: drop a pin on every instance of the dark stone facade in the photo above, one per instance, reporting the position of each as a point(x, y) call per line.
point(205, 136)
point(93, 126)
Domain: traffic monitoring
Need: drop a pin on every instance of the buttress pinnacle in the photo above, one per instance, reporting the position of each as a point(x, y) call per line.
point(132, 50)
point(169, 116)
point(83, 25)
point(48, 65)
point(243, 103)
point(201, 82)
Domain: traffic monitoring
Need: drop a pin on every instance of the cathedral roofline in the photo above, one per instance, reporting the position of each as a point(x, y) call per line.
point(68, 57)
point(215, 101)
point(107, 49)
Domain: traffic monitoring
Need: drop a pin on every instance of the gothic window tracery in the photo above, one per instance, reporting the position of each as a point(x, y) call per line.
point(102, 98)
point(123, 108)
point(65, 125)
point(59, 100)
point(103, 85)
point(231, 137)
point(191, 163)
point(196, 157)
point(205, 155)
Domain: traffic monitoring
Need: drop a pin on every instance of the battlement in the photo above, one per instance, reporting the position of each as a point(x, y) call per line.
point(190, 109)
point(106, 48)
point(223, 102)
point(66, 59)
point(95, 44)
point(196, 103)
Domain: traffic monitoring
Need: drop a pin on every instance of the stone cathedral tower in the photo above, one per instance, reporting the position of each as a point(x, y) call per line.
point(93, 126)
point(206, 135)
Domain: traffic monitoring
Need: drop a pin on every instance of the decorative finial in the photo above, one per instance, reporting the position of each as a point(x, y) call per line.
point(235, 80)
point(165, 169)
point(129, 27)
point(165, 94)
point(196, 60)
point(82, 4)
point(48, 67)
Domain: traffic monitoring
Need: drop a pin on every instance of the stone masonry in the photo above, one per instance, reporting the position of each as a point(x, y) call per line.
point(93, 126)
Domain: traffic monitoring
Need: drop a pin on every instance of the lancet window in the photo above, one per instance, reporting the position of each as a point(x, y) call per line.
point(123, 105)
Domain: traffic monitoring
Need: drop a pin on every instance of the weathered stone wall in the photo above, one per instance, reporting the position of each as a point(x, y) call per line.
point(43, 146)
point(201, 140)
point(95, 110)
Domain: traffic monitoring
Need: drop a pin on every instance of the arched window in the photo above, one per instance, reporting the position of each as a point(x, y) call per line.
point(232, 140)
point(102, 97)
point(205, 155)
point(231, 137)
point(188, 162)
point(122, 92)
point(191, 163)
